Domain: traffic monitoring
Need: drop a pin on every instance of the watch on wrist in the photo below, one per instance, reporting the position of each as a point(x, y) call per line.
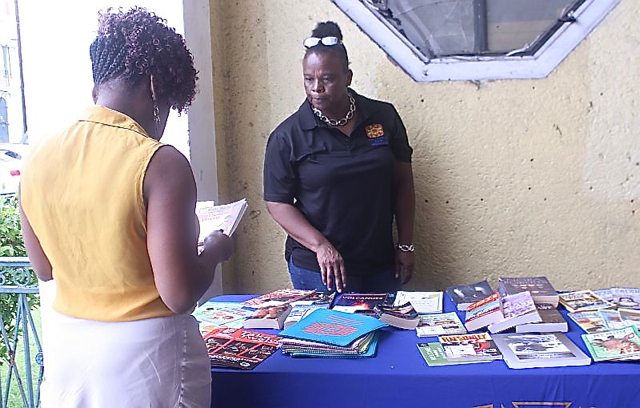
point(405, 248)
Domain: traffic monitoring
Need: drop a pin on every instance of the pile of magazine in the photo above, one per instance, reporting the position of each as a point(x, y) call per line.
point(331, 333)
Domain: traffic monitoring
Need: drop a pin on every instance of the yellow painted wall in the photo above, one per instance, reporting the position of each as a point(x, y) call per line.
point(519, 177)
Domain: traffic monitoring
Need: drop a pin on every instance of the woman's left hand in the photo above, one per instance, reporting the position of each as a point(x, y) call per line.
point(404, 265)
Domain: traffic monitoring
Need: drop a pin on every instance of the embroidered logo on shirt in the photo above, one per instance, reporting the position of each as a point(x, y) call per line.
point(375, 133)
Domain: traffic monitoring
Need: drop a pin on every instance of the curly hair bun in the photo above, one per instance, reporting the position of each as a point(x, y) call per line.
point(327, 29)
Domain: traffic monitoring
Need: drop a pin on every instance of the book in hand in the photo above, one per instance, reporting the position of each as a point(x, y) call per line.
point(422, 302)
point(551, 320)
point(582, 300)
point(268, 317)
point(465, 295)
point(470, 347)
point(539, 286)
point(620, 344)
point(402, 316)
point(539, 350)
point(484, 312)
point(228, 314)
point(278, 297)
point(219, 217)
point(332, 327)
point(239, 348)
point(516, 309)
point(434, 356)
point(438, 324)
point(362, 303)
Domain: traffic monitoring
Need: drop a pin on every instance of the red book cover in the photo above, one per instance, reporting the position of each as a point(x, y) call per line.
point(239, 348)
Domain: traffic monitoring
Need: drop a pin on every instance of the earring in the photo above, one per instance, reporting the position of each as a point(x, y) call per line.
point(156, 118)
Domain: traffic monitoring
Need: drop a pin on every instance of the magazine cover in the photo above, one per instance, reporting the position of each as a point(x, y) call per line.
point(464, 295)
point(221, 313)
point(239, 348)
point(589, 321)
point(613, 344)
point(440, 324)
point(433, 355)
point(628, 298)
point(277, 298)
point(583, 300)
point(478, 346)
point(630, 317)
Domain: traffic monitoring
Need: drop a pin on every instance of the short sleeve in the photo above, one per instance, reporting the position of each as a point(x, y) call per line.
point(402, 151)
point(279, 175)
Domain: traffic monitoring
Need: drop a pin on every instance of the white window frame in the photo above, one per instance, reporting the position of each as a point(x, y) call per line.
point(422, 69)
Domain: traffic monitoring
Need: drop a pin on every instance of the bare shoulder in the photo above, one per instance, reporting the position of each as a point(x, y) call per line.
point(170, 169)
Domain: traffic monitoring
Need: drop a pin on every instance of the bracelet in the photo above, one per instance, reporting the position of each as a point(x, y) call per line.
point(405, 248)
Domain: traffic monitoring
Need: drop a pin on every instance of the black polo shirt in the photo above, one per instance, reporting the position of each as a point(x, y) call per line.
point(343, 185)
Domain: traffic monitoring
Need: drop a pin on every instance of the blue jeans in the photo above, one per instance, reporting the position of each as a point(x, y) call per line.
point(376, 283)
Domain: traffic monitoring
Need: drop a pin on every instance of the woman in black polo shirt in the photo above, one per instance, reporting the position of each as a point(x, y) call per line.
point(336, 173)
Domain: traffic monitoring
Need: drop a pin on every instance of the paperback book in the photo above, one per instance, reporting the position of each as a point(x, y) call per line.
point(582, 300)
point(277, 298)
point(483, 313)
point(362, 347)
point(300, 310)
point(239, 348)
point(228, 314)
point(432, 325)
point(590, 321)
point(422, 302)
point(516, 309)
point(268, 317)
point(540, 288)
point(465, 295)
point(402, 317)
point(551, 320)
point(612, 319)
point(434, 356)
point(361, 303)
point(539, 350)
point(219, 217)
point(470, 347)
point(614, 344)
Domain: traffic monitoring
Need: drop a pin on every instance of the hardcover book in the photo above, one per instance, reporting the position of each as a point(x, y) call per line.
point(470, 347)
point(268, 317)
point(614, 344)
point(465, 295)
point(540, 288)
point(432, 325)
point(332, 327)
point(402, 317)
point(433, 355)
point(483, 313)
point(582, 300)
point(239, 348)
point(516, 309)
point(590, 321)
point(222, 313)
point(551, 320)
point(219, 217)
point(362, 303)
point(277, 297)
point(422, 302)
point(539, 350)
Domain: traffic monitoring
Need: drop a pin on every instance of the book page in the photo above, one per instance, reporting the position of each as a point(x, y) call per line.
point(219, 217)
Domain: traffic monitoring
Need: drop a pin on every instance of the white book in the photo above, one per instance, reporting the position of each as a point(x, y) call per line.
point(422, 302)
point(539, 350)
point(219, 217)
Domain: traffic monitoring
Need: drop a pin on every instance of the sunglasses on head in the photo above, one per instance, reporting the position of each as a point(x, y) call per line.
point(326, 41)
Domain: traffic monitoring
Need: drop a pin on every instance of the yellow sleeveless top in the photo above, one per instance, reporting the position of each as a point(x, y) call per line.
point(81, 191)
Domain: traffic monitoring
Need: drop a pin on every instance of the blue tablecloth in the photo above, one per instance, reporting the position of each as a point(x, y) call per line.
point(398, 375)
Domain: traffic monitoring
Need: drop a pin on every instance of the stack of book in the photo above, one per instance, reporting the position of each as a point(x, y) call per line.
point(330, 333)
point(460, 349)
point(584, 300)
point(517, 309)
point(402, 316)
point(301, 308)
point(464, 295)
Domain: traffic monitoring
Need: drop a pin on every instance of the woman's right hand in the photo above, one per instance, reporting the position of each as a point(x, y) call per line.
point(218, 244)
point(331, 267)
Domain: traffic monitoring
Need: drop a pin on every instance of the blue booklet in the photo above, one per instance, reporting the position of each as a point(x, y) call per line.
point(332, 327)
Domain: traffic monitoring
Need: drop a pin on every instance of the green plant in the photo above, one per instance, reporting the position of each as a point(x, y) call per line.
point(12, 245)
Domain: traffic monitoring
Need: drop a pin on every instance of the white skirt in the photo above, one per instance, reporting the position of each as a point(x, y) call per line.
point(151, 363)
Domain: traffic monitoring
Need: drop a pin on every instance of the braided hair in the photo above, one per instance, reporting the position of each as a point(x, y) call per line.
point(329, 29)
point(136, 44)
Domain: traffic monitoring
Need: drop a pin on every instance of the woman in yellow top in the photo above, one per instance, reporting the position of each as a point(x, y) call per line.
point(108, 213)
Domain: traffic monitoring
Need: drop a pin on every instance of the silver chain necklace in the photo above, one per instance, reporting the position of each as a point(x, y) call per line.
point(341, 122)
